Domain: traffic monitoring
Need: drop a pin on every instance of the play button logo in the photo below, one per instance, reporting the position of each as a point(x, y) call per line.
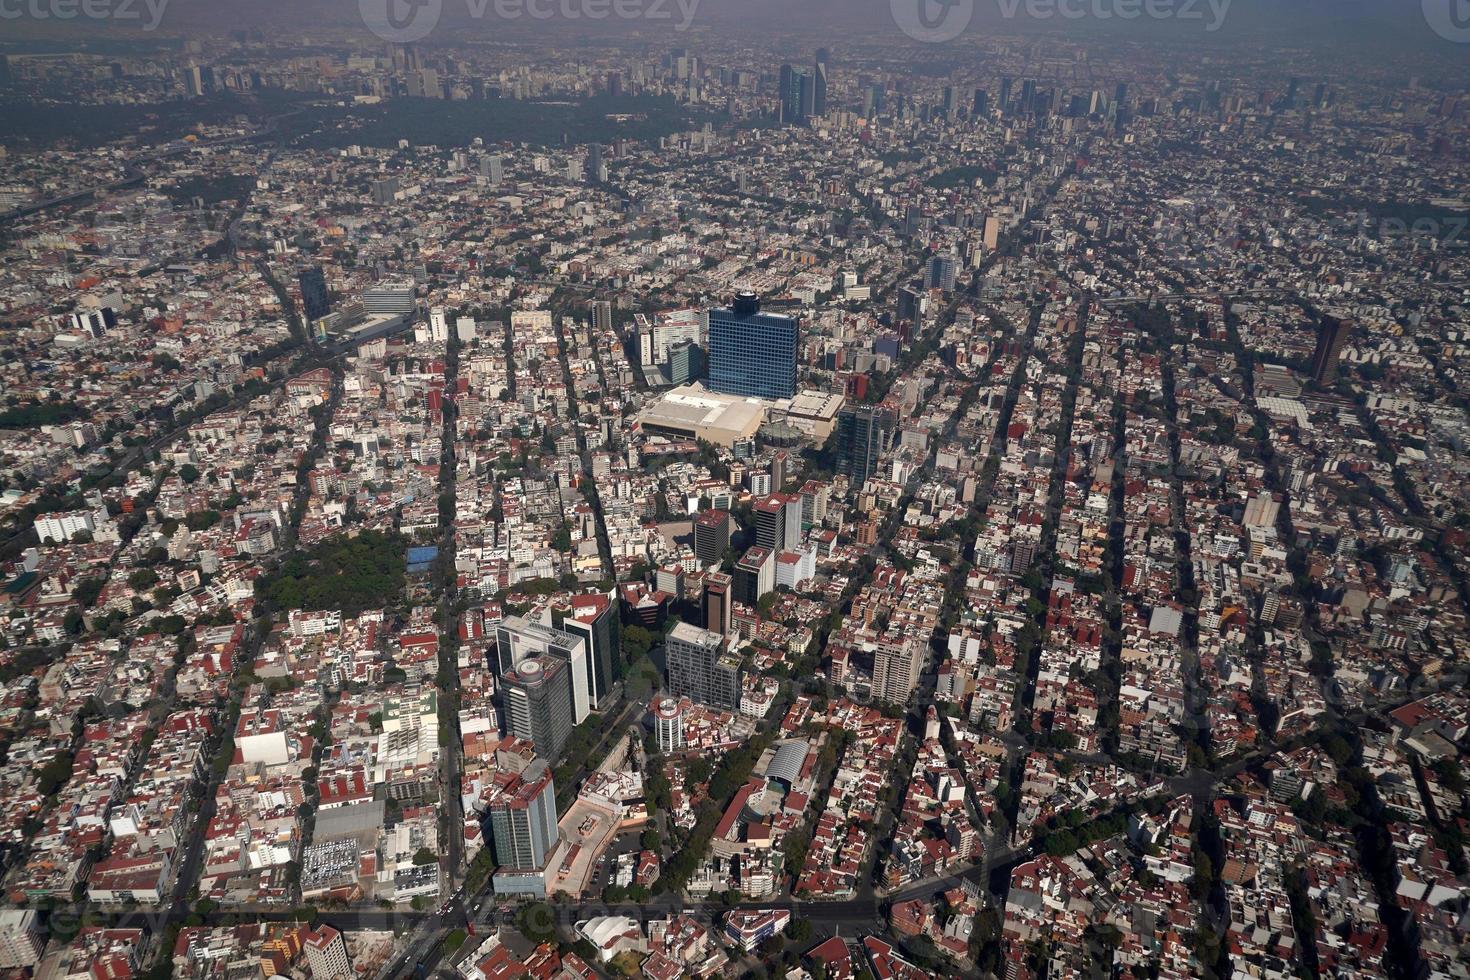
point(1450, 19)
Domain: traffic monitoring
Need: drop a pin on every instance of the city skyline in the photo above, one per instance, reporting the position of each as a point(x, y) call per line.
point(833, 489)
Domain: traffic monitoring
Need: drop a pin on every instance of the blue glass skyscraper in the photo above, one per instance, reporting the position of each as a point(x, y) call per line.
point(752, 354)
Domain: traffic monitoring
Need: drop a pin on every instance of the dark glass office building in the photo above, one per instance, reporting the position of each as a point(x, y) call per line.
point(864, 433)
point(752, 354)
point(316, 302)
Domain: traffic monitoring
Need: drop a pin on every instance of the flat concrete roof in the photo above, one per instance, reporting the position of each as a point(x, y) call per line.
point(716, 418)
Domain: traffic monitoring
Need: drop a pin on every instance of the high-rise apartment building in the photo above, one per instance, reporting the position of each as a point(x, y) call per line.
point(711, 536)
point(521, 816)
point(755, 575)
point(752, 354)
point(896, 668)
point(326, 954)
point(492, 168)
point(700, 669)
point(602, 319)
point(21, 942)
point(942, 272)
point(778, 521)
point(668, 722)
point(384, 191)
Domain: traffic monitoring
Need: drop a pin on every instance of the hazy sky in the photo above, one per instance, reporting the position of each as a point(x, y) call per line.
point(1354, 23)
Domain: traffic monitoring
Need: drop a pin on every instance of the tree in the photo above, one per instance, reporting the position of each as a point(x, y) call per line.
point(637, 641)
point(189, 473)
point(537, 922)
point(425, 856)
point(143, 579)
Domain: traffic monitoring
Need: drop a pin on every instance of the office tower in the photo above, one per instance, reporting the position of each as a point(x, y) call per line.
point(711, 536)
point(981, 108)
point(658, 338)
point(521, 815)
point(596, 170)
point(864, 433)
point(21, 941)
point(780, 468)
point(808, 95)
point(536, 703)
point(790, 94)
point(1120, 94)
point(778, 521)
point(492, 168)
point(950, 106)
point(1005, 95)
point(668, 722)
point(1291, 93)
point(594, 618)
point(700, 669)
point(1332, 334)
point(913, 219)
point(384, 190)
point(615, 84)
point(517, 639)
point(755, 575)
point(94, 323)
point(798, 94)
point(602, 320)
point(686, 362)
point(439, 325)
point(326, 954)
point(896, 667)
point(751, 353)
point(718, 601)
point(1028, 97)
point(315, 301)
point(941, 273)
point(819, 85)
point(4, 68)
point(910, 304)
point(395, 296)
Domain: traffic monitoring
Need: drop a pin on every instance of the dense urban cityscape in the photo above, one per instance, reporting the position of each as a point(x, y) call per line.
point(634, 489)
